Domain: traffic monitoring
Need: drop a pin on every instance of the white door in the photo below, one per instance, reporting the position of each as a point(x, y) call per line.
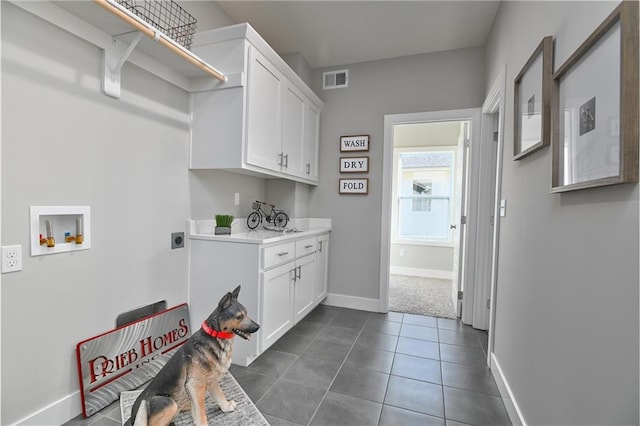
point(311, 137)
point(293, 132)
point(304, 286)
point(322, 267)
point(460, 218)
point(264, 113)
point(277, 293)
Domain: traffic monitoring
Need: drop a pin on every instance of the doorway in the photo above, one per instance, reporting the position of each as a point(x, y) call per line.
point(428, 182)
point(460, 235)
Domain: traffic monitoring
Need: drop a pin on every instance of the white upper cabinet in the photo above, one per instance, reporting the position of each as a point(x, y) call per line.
point(293, 132)
point(264, 113)
point(311, 141)
point(266, 124)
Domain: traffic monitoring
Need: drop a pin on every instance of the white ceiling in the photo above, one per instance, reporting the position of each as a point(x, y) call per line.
point(330, 33)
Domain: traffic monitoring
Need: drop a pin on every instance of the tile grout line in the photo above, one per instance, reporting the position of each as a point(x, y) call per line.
point(339, 369)
point(279, 378)
point(386, 390)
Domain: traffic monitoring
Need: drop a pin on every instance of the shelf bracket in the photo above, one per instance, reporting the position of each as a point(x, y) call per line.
point(114, 58)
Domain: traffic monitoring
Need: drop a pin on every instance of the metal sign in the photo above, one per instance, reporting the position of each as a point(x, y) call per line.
point(127, 357)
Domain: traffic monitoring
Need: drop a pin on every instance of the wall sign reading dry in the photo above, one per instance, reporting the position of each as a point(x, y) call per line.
point(354, 164)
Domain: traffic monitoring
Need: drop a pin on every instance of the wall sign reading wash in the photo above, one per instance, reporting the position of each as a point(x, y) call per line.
point(354, 143)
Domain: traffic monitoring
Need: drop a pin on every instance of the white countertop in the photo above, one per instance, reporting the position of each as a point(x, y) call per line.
point(307, 227)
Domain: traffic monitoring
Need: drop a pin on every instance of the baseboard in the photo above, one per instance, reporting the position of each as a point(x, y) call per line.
point(510, 403)
point(352, 302)
point(420, 272)
point(56, 413)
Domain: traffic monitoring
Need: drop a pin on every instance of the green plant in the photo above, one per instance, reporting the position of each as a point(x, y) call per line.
point(224, 220)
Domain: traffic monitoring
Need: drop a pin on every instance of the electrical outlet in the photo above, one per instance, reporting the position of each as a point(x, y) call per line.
point(177, 240)
point(11, 259)
point(236, 198)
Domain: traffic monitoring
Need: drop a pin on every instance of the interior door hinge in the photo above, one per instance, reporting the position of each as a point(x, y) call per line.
point(459, 295)
point(463, 220)
point(488, 303)
point(495, 136)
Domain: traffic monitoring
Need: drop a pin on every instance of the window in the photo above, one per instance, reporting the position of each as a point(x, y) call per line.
point(424, 189)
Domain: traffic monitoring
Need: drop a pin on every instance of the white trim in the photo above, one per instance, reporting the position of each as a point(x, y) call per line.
point(421, 272)
point(351, 302)
point(510, 403)
point(390, 120)
point(56, 413)
point(495, 102)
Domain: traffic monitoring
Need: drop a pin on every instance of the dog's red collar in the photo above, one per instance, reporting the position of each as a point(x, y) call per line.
point(215, 333)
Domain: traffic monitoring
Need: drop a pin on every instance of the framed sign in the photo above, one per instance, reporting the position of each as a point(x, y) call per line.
point(595, 107)
point(354, 143)
point(354, 186)
point(532, 101)
point(354, 164)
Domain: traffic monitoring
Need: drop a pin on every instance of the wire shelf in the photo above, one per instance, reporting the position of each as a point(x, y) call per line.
point(166, 16)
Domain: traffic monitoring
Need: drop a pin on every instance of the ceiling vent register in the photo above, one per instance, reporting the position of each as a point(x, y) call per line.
point(335, 79)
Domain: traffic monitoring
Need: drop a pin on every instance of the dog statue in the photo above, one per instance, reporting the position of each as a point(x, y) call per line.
point(196, 367)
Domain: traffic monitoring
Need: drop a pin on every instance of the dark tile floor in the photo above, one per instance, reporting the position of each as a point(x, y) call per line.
point(346, 367)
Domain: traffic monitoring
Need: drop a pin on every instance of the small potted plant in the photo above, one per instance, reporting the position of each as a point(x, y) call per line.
point(223, 224)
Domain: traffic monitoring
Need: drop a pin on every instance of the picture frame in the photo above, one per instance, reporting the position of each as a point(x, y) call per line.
point(354, 143)
point(533, 88)
point(595, 111)
point(358, 186)
point(354, 164)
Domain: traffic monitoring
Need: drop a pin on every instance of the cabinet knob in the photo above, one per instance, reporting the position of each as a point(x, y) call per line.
point(308, 246)
point(308, 168)
point(286, 160)
point(283, 253)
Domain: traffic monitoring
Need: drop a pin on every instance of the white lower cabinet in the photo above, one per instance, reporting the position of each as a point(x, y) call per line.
point(304, 287)
point(277, 290)
point(280, 284)
point(322, 268)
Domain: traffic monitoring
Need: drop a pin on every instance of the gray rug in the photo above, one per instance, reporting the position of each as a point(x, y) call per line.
point(246, 413)
point(422, 296)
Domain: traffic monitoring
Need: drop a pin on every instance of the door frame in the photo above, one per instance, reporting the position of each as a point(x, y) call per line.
point(390, 120)
point(495, 103)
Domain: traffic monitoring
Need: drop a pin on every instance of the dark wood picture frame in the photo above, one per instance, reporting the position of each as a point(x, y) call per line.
point(598, 142)
point(359, 143)
point(530, 83)
point(356, 190)
point(361, 166)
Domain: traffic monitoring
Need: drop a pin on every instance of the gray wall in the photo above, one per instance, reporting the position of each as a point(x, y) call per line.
point(431, 82)
point(65, 143)
point(566, 332)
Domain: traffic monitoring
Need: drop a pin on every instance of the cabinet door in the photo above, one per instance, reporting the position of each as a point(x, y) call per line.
point(322, 267)
point(277, 295)
point(264, 109)
point(310, 146)
point(293, 131)
point(304, 287)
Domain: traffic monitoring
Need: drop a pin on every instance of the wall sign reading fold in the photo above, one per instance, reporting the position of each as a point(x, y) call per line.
point(354, 186)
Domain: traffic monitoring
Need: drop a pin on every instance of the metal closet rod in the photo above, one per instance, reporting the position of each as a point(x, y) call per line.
point(158, 36)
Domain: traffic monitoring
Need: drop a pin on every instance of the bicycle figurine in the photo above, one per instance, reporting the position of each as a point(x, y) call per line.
point(278, 217)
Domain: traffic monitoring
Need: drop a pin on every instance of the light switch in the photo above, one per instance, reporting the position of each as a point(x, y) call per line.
point(503, 208)
point(236, 198)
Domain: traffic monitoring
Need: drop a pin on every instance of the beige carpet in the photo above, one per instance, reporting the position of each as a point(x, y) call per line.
point(422, 296)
